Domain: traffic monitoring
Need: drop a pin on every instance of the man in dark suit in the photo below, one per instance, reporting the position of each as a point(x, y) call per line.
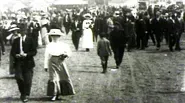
point(179, 27)
point(23, 50)
point(129, 31)
point(171, 31)
point(118, 43)
point(148, 33)
point(140, 31)
point(157, 29)
point(34, 29)
point(2, 48)
point(76, 28)
point(67, 22)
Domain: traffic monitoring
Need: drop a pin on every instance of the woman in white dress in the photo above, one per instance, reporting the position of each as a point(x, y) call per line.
point(44, 29)
point(55, 54)
point(87, 36)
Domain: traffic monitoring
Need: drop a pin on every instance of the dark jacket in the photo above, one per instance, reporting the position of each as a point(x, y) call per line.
point(28, 47)
point(34, 30)
point(117, 38)
point(76, 28)
point(129, 28)
point(171, 27)
point(140, 26)
point(157, 26)
point(103, 47)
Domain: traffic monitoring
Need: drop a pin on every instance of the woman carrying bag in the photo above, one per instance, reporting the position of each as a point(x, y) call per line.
point(55, 54)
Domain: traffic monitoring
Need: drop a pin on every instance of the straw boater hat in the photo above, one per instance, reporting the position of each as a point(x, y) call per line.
point(13, 27)
point(88, 15)
point(55, 32)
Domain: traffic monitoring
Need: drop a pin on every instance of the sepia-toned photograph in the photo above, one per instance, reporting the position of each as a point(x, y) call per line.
point(92, 51)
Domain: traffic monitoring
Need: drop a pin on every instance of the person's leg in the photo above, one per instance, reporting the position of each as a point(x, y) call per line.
point(170, 43)
point(20, 80)
point(78, 40)
point(106, 62)
point(146, 39)
point(177, 46)
point(152, 37)
point(138, 41)
point(129, 44)
point(73, 39)
point(28, 75)
point(103, 63)
point(158, 39)
point(121, 54)
point(20, 84)
point(143, 42)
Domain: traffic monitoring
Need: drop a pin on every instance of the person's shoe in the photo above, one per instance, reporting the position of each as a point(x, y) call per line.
point(103, 71)
point(53, 98)
point(87, 50)
point(178, 49)
point(157, 48)
point(58, 98)
point(129, 50)
point(24, 98)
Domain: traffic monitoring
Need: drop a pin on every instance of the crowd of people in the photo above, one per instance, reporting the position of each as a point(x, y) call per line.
point(118, 29)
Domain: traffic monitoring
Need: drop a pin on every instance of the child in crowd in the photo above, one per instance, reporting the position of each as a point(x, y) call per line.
point(104, 51)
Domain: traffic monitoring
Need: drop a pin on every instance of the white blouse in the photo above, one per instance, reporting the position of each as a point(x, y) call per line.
point(55, 49)
point(86, 24)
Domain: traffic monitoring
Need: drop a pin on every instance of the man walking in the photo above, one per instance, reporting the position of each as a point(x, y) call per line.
point(23, 50)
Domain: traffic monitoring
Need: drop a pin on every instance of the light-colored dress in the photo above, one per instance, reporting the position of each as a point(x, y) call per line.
point(87, 38)
point(44, 30)
point(59, 80)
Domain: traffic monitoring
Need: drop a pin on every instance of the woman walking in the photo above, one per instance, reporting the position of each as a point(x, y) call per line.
point(44, 29)
point(55, 54)
point(87, 36)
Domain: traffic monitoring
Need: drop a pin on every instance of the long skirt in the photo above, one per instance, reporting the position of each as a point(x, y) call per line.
point(59, 80)
point(87, 38)
point(45, 37)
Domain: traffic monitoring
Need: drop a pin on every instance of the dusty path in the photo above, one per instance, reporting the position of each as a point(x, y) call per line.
point(144, 77)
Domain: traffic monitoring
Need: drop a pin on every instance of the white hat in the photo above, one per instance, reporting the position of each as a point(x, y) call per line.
point(13, 27)
point(87, 15)
point(55, 32)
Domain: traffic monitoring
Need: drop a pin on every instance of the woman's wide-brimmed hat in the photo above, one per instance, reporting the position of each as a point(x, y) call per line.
point(13, 27)
point(87, 16)
point(56, 32)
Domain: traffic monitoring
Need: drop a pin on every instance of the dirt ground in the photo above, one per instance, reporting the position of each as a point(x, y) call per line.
point(145, 76)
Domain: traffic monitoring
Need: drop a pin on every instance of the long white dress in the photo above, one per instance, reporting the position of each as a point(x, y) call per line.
point(87, 38)
point(44, 30)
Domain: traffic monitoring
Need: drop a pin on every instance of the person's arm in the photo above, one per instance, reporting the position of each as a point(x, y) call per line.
point(46, 58)
point(109, 47)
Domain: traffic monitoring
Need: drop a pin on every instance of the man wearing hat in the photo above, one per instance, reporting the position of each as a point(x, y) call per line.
point(23, 50)
point(67, 22)
point(13, 35)
point(76, 28)
point(118, 41)
point(34, 29)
